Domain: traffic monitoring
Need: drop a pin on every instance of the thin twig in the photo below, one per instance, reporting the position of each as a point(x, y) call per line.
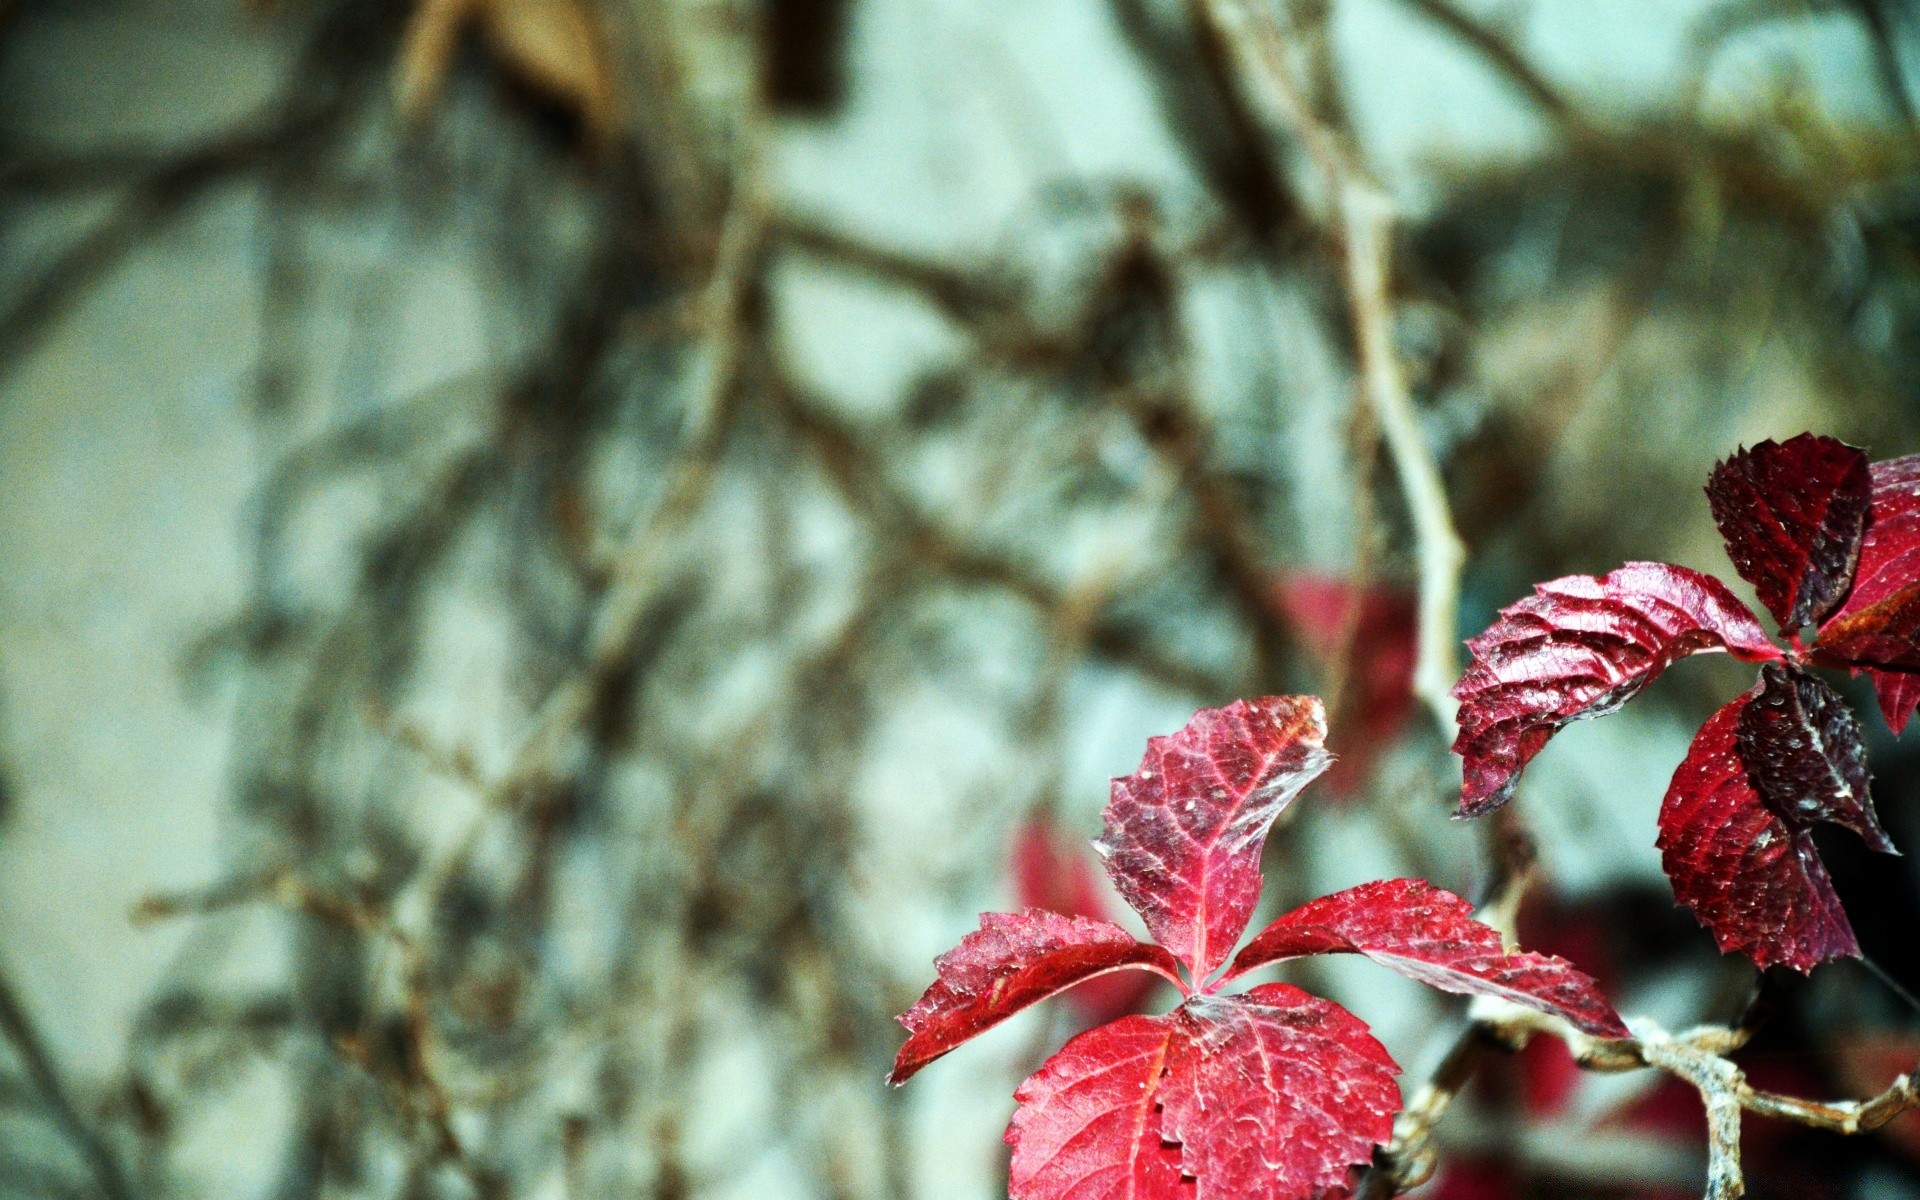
point(1360, 221)
point(1499, 52)
point(1698, 1055)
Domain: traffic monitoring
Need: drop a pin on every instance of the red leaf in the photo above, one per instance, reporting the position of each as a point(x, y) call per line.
point(1898, 693)
point(1793, 515)
point(1889, 564)
point(1088, 1125)
point(1581, 647)
point(1275, 1095)
point(1379, 670)
point(1886, 634)
point(1802, 749)
point(1184, 832)
point(1754, 881)
point(1430, 935)
point(1057, 873)
point(1012, 961)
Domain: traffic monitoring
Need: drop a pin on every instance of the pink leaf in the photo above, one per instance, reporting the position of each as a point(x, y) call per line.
point(1793, 515)
point(1754, 881)
point(1430, 935)
point(1184, 832)
point(1275, 1095)
point(1802, 749)
point(1088, 1125)
point(1012, 961)
point(1889, 564)
point(1581, 647)
point(1058, 874)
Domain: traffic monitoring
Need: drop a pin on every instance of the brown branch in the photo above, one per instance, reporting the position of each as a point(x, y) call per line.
point(1698, 1055)
point(1499, 53)
point(856, 474)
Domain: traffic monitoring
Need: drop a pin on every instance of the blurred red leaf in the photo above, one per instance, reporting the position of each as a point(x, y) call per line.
point(1379, 698)
point(1756, 882)
point(1424, 933)
point(1184, 832)
point(1275, 1095)
point(1793, 514)
point(1580, 647)
point(1054, 872)
point(1012, 961)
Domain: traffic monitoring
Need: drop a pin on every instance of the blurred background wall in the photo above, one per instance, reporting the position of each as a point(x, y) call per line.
point(554, 552)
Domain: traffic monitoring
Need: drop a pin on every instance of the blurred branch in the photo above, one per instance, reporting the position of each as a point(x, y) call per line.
point(18, 1029)
point(1361, 225)
point(1498, 51)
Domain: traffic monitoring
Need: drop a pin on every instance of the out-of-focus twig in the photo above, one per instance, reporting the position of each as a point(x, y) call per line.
point(1360, 222)
point(18, 1029)
point(1498, 51)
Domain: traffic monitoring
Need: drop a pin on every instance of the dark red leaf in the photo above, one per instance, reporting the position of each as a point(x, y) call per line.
point(1792, 514)
point(1012, 961)
point(1088, 1125)
point(1754, 881)
point(1886, 634)
point(1889, 564)
point(1804, 756)
point(1430, 935)
point(1378, 702)
point(1058, 874)
point(1275, 1095)
point(1581, 647)
point(1184, 832)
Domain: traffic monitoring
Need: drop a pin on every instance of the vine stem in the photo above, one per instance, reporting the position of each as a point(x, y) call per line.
point(1698, 1056)
point(1359, 219)
point(1367, 219)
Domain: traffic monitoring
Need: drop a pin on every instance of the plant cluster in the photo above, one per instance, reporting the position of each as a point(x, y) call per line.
point(1278, 1094)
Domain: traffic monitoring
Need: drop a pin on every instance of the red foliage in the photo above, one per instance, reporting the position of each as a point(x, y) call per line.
point(1184, 832)
point(1755, 882)
point(1273, 1094)
point(1884, 579)
point(1012, 961)
point(1803, 754)
point(1582, 647)
point(1792, 515)
point(1823, 536)
point(1058, 874)
point(1276, 1094)
point(1414, 928)
point(1088, 1125)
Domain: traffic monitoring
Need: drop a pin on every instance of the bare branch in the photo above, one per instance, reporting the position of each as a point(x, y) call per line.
point(1360, 221)
point(1698, 1055)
